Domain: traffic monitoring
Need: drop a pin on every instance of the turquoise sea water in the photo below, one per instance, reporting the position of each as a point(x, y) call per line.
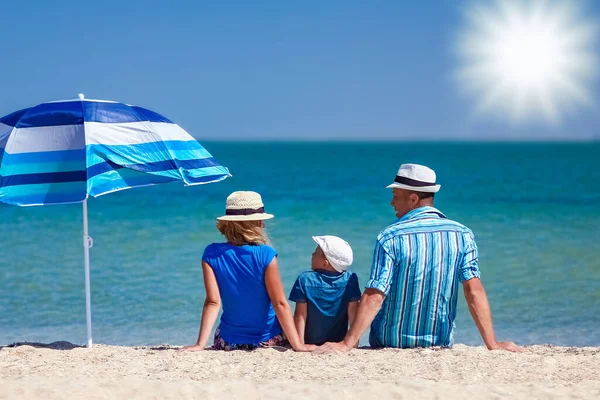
point(534, 208)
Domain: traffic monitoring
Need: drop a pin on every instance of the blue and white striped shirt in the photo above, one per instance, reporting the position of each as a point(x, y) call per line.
point(417, 263)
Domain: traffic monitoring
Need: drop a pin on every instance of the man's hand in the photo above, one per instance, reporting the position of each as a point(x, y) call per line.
point(331, 347)
point(192, 348)
point(508, 346)
point(369, 306)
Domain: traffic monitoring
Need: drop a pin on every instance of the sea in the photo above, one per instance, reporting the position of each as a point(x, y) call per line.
point(534, 209)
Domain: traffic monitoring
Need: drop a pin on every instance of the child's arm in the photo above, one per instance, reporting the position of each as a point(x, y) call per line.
point(300, 319)
point(352, 308)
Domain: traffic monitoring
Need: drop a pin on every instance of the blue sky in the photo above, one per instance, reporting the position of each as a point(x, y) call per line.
point(261, 70)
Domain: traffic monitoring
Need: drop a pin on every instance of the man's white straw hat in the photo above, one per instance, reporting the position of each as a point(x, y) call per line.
point(418, 178)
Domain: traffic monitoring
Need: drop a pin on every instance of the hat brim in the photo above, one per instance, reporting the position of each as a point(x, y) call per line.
point(251, 217)
point(424, 189)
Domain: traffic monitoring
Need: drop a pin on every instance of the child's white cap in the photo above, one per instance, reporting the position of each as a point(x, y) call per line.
point(337, 251)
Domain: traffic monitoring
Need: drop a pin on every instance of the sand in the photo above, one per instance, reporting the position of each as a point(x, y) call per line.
point(62, 370)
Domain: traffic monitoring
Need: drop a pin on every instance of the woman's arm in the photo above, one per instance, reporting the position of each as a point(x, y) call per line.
point(300, 319)
point(210, 312)
point(282, 308)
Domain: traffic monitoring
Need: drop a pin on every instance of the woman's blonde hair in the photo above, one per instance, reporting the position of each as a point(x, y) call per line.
point(240, 233)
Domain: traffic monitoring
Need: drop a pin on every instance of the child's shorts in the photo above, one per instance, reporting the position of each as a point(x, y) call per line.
point(220, 344)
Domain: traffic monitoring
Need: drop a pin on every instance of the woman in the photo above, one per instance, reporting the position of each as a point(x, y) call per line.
point(242, 274)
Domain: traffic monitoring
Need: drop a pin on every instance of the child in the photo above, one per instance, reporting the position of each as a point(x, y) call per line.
point(326, 297)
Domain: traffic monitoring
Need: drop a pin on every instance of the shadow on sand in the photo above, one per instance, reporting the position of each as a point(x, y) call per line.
point(61, 345)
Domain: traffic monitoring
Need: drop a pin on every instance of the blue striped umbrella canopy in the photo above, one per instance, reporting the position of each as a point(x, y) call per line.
point(65, 151)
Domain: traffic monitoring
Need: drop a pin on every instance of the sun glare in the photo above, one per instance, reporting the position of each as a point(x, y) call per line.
point(527, 59)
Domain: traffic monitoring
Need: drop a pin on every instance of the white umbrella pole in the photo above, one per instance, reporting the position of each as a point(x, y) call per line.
point(87, 244)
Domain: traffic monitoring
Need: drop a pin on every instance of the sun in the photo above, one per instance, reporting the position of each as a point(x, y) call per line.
point(527, 60)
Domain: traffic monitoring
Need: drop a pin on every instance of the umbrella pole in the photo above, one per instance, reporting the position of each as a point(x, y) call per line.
point(87, 244)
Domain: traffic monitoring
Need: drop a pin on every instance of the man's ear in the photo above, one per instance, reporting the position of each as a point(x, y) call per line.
point(414, 198)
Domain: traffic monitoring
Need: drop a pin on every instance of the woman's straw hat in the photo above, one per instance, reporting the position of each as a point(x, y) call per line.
point(244, 206)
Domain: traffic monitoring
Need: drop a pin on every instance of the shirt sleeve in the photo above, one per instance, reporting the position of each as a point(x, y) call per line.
point(298, 294)
point(354, 288)
point(266, 255)
point(469, 268)
point(207, 254)
point(382, 268)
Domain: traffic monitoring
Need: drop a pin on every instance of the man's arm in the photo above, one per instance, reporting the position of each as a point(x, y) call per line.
point(371, 301)
point(369, 306)
point(480, 311)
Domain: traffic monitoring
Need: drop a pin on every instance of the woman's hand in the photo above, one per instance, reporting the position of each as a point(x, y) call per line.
point(330, 347)
point(195, 347)
point(305, 348)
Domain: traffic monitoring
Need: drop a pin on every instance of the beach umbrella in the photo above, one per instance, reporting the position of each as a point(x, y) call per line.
point(65, 151)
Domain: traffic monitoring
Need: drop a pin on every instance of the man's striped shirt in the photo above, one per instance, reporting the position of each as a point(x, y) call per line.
point(418, 263)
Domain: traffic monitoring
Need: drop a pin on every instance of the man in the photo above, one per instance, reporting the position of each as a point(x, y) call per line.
point(410, 298)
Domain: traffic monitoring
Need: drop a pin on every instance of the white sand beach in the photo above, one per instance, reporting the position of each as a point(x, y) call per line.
point(112, 372)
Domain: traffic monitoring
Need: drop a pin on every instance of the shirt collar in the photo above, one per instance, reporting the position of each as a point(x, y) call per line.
point(326, 272)
point(420, 212)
